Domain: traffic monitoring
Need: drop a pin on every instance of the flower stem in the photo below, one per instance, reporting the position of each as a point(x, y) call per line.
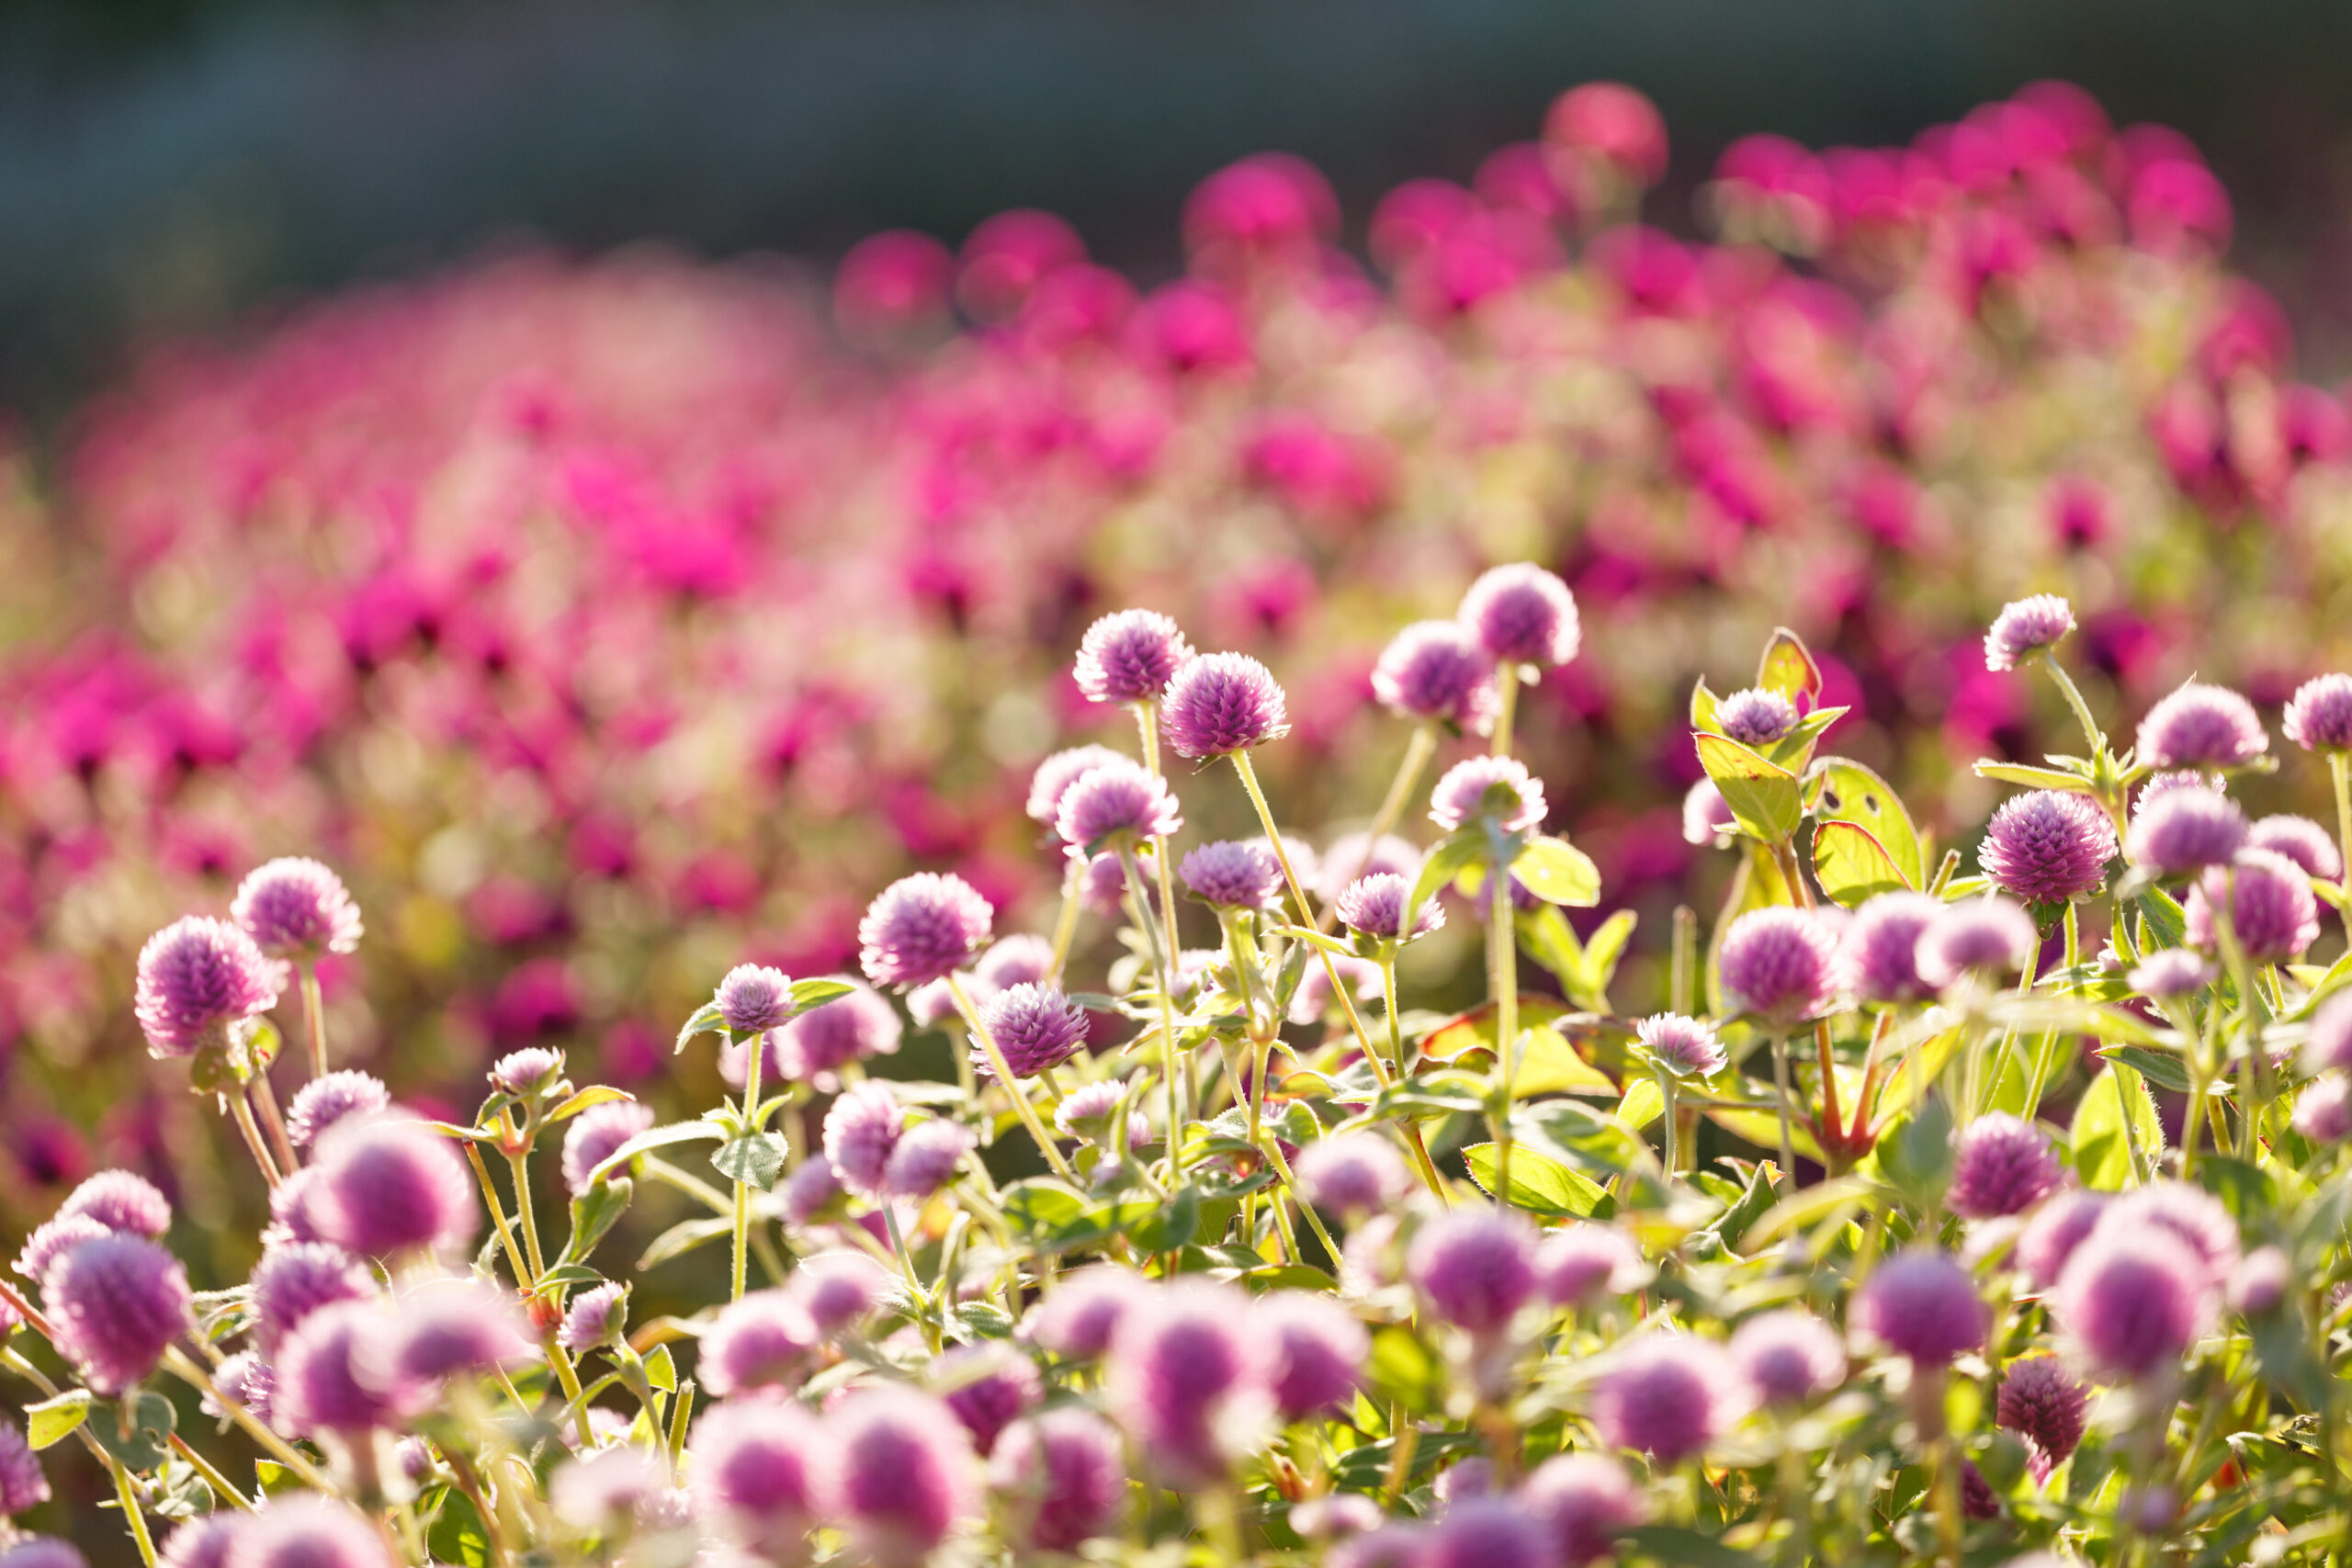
point(1506, 986)
point(266, 1102)
point(2339, 769)
point(1417, 751)
point(996, 1065)
point(1666, 1120)
point(523, 1275)
point(1780, 1081)
point(753, 1060)
point(177, 1363)
point(1507, 703)
point(1164, 970)
point(132, 1515)
point(241, 1110)
point(1066, 921)
point(2092, 735)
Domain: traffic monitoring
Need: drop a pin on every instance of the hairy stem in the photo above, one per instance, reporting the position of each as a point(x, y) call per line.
point(996, 1065)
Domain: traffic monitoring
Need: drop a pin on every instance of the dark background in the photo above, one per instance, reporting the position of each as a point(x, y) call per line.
point(172, 165)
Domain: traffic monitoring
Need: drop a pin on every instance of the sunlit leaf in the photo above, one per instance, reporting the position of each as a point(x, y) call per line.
point(1763, 796)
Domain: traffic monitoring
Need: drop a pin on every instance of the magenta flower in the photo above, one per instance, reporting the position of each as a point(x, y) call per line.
point(1976, 936)
point(1130, 657)
point(324, 1101)
point(1882, 947)
point(2195, 1215)
point(1582, 1264)
point(1522, 613)
point(987, 1388)
point(2048, 845)
point(2186, 829)
point(765, 1337)
point(1669, 1395)
point(1782, 965)
point(1180, 1359)
point(1706, 816)
point(1057, 772)
point(53, 1239)
point(1035, 1027)
point(2057, 1228)
point(2132, 1299)
point(1922, 1304)
point(1486, 1532)
point(1790, 1356)
point(753, 998)
point(116, 1302)
point(2001, 1164)
point(755, 1468)
point(838, 1290)
point(856, 1027)
point(1020, 958)
point(861, 1131)
point(319, 1388)
point(1586, 1502)
point(1352, 1173)
point(2201, 727)
point(1223, 703)
point(2272, 912)
point(1436, 670)
point(441, 1330)
point(297, 908)
point(594, 1318)
point(198, 979)
point(1077, 1318)
point(925, 1158)
point(2169, 972)
point(2324, 1109)
point(899, 1473)
point(2302, 840)
point(2319, 716)
point(307, 1531)
point(22, 1484)
point(1461, 796)
point(1755, 717)
point(1374, 906)
point(921, 928)
point(2260, 1282)
point(1116, 803)
point(1355, 854)
point(1475, 1267)
point(1685, 1046)
point(1086, 1112)
point(120, 1201)
point(2041, 1402)
point(596, 1135)
point(201, 1543)
point(1063, 1478)
point(2328, 1043)
point(2026, 627)
point(292, 1282)
point(1233, 875)
point(1314, 1351)
point(388, 1187)
point(42, 1552)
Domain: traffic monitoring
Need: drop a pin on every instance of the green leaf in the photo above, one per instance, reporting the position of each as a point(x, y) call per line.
point(708, 1020)
point(1852, 864)
point(263, 1044)
point(1557, 873)
point(807, 994)
point(138, 1433)
point(981, 1320)
point(1839, 790)
point(1763, 796)
point(1447, 860)
point(1704, 704)
point(1667, 1543)
point(656, 1138)
point(1405, 1371)
point(661, 1371)
point(53, 1420)
point(457, 1537)
point(2102, 1158)
point(1788, 668)
point(683, 1237)
point(2161, 1068)
point(1323, 939)
point(594, 1214)
point(1166, 1226)
point(2163, 921)
point(2040, 778)
point(1643, 1103)
point(463, 1135)
point(594, 1094)
point(1915, 1154)
point(754, 1159)
point(1602, 955)
point(2247, 1191)
point(1539, 1183)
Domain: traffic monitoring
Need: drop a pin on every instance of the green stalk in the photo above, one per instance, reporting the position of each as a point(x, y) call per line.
point(128, 1495)
point(1505, 988)
point(1665, 1092)
point(314, 1018)
point(1066, 921)
point(1507, 690)
point(1780, 1081)
point(753, 1062)
point(1164, 969)
point(996, 1065)
point(2339, 769)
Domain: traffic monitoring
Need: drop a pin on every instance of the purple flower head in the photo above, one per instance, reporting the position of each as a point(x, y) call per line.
point(200, 978)
point(1686, 1047)
point(1374, 906)
point(2260, 1282)
point(296, 909)
point(1977, 1499)
point(443, 1329)
point(755, 1467)
point(2057, 1228)
point(1921, 1303)
point(1086, 1112)
point(594, 1318)
point(1130, 657)
point(1233, 874)
point(2324, 1109)
point(1756, 716)
point(764, 1338)
point(324, 1101)
point(1989, 935)
point(1782, 965)
point(1223, 703)
point(2001, 1164)
point(2132, 1299)
point(1586, 1502)
point(899, 1473)
point(120, 1201)
point(596, 1135)
point(2190, 1213)
point(289, 1209)
point(1335, 1516)
point(925, 1158)
point(1103, 884)
point(1669, 1395)
point(1706, 816)
point(625, 1485)
point(1314, 1351)
point(1522, 613)
point(319, 1388)
point(1034, 1026)
point(1180, 1368)
point(1437, 671)
point(2201, 727)
point(838, 1290)
point(753, 998)
point(1790, 1356)
point(1475, 1267)
point(1116, 803)
point(1882, 947)
point(1021, 958)
point(1063, 1477)
point(854, 1027)
point(117, 1301)
point(42, 1552)
point(2319, 716)
point(1353, 1173)
point(2171, 972)
point(306, 1531)
point(245, 1380)
point(1460, 795)
point(1057, 772)
point(987, 1388)
point(1486, 1532)
point(861, 1131)
point(201, 1543)
point(813, 1193)
point(2026, 627)
point(921, 928)
point(1079, 1316)
point(2041, 1402)
point(2048, 845)
point(2185, 828)
point(1355, 854)
point(2271, 907)
point(2302, 840)
point(53, 1239)
point(525, 1072)
point(1579, 1265)
point(1398, 1544)
point(2329, 1042)
point(290, 1282)
point(388, 1186)
point(22, 1485)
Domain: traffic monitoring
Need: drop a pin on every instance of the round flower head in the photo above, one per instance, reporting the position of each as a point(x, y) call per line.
point(987, 1387)
point(2001, 1164)
point(1374, 906)
point(1020, 958)
point(442, 1330)
point(2201, 727)
point(1086, 1112)
point(764, 1338)
point(921, 928)
point(243, 1380)
point(1780, 965)
point(625, 1486)
point(1686, 1047)
point(1130, 657)
point(2260, 1282)
point(2186, 829)
point(1064, 1478)
point(199, 978)
point(1669, 1395)
point(1522, 613)
point(2190, 1213)
point(1103, 882)
point(2172, 972)
point(861, 1131)
point(1706, 816)
point(201, 1543)
point(925, 1158)
point(753, 998)
point(1180, 1357)
point(1314, 1351)
point(812, 1193)
point(388, 1187)
point(596, 1135)
point(1398, 1544)
point(1356, 854)
point(1335, 1516)
point(117, 1301)
point(838, 1290)
point(2041, 1402)
point(2047, 846)
point(42, 1552)
point(306, 1531)
point(1057, 772)
point(1233, 875)
point(1116, 803)
point(1077, 1318)
point(324, 1101)
point(2302, 840)
point(1586, 1502)
point(1581, 1264)
point(1789, 1356)
point(120, 1201)
point(899, 1473)
point(1223, 703)
point(22, 1485)
point(1922, 1304)
point(755, 1468)
point(53, 1239)
point(1035, 1027)
point(2132, 1299)
point(1437, 671)
point(1475, 1267)
point(1756, 716)
point(296, 909)
point(2272, 910)
point(594, 1318)
point(1353, 1174)
point(1486, 1532)
point(1882, 947)
point(525, 1072)
point(1988, 935)
point(289, 1211)
point(319, 1388)
point(2026, 627)
point(2329, 1042)
point(1460, 795)
point(2057, 1228)
point(854, 1027)
point(291, 1283)
point(2319, 716)
point(2324, 1109)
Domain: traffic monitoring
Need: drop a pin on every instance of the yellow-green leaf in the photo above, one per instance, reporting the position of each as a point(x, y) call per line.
point(53, 1420)
point(1788, 668)
point(1838, 790)
point(2102, 1158)
point(1558, 873)
point(1764, 797)
point(1852, 864)
point(1549, 1065)
point(1642, 1105)
point(1539, 1183)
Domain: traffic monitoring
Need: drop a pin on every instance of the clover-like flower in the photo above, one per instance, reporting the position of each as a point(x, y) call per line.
point(2199, 726)
point(2026, 627)
point(1437, 671)
point(1524, 613)
point(2048, 846)
point(1222, 702)
point(1460, 795)
point(1130, 656)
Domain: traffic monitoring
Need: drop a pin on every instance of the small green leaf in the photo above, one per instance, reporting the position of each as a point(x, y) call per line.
point(683, 1237)
point(1915, 1154)
point(1788, 668)
point(708, 1020)
point(652, 1138)
point(755, 1160)
point(1323, 939)
point(1852, 864)
point(1643, 1103)
point(1600, 959)
point(1688, 1548)
point(1558, 873)
point(1446, 861)
point(661, 1371)
point(1168, 1225)
point(463, 1135)
point(1840, 790)
point(457, 1537)
point(2040, 778)
point(1763, 796)
point(594, 1094)
point(594, 1214)
point(1704, 704)
point(53, 1420)
point(1405, 1371)
point(1539, 1183)
point(981, 1320)
point(2161, 1068)
point(2102, 1158)
point(807, 994)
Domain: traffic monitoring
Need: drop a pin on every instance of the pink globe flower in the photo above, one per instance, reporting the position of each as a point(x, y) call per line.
point(1437, 671)
point(899, 1475)
point(753, 998)
point(856, 1027)
point(1987, 936)
point(1782, 965)
point(755, 1464)
point(1461, 796)
point(2056, 1229)
point(198, 979)
point(307, 1531)
point(1035, 1026)
point(926, 1158)
point(1923, 1306)
point(2041, 1402)
point(861, 1132)
point(1524, 614)
point(1755, 717)
point(294, 1280)
point(1790, 1356)
point(2319, 716)
point(1882, 947)
point(1475, 1267)
point(1686, 1047)
point(120, 1201)
point(1222, 702)
point(2302, 840)
point(116, 1302)
point(596, 1135)
point(1057, 772)
point(2026, 627)
point(297, 908)
point(1116, 803)
point(389, 1187)
point(2048, 846)
point(1314, 1350)
point(1580, 1265)
point(921, 928)
point(765, 1338)
point(987, 1387)
point(1062, 1477)
point(22, 1484)
point(2272, 910)
point(1586, 1502)
point(2132, 1299)
point(1181, 1376)
point(1374, 906)
point(1670, 1396)
point(1233, 875)
point(324, 1101)
point(2186, 829)
point(2201, 727)
point(1130, 656)
point(1352, 1173)
point(2001, 1164)
point(1077, 1319)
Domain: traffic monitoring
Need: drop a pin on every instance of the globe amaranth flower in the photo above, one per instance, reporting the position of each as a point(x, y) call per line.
point(1130, 656)
point(245, 1381)
point(921, 928)
point(1980, 936)
point(2272, 912)
point(2001, 1164)
point(2260, 1283)
point(22, 1484)
point(1522, 613)
point(297, 908)
point(42, 1552)
point(1352, 855)
point(1436, 670)
point(1399, 1543)
point(762, 1337)
point(594, 1318)
point(2132, 1299)
point(319, 1389)
point(2025, 627)
point(861, 1131)
point(753, 998)
point(2041, 1402)
point(199, 978)
point(1335, 1516)
point(2048, 846)
point(1474, 1267)
point(1233, 874)
point(1086, 1110)
point(1922, 1304)
point(1582, 1264)
point(987, 1387)
point(1686, 1047)
point(2324, 1109)
point(388, 1186)
point(1350, 1173)
point(1585, 1502)
point(1077, 1319)
point(1223, 703)
point(290, 1282)
point(838, 1290)
point(1035, 1027)
point(1882, 947)
point(324, 1101)
point(856, 1026)
point(1477, 1531)
point(116, 1302)
point(120, 1201)
point(1706, 816)
point(2195, 1215)
point(54, 1238)
point(926, 1158)
point(1789, 1356)
point(2319, 716)
point(2170, 973)
point(596, 1135)
point(1977, 1499)
point(2302, 840)
point(1057, 772)
point(1063, 1477)
point(2199, 726)
point(1669, 1396)
point(1461, 796)
point(755, 1464)
point(1115, 803)
point(2056, 1229)
point(1312, 1351)
point(2328, 1041)
point(443, 1329)
point(201, 1542)
point(1180, 1378)
point(900, 1473)
point(1782, 965)
point(1755, 717)
point(1374, 906)
point(1103, 881)
point(2186, 829)
point(307, 1531)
